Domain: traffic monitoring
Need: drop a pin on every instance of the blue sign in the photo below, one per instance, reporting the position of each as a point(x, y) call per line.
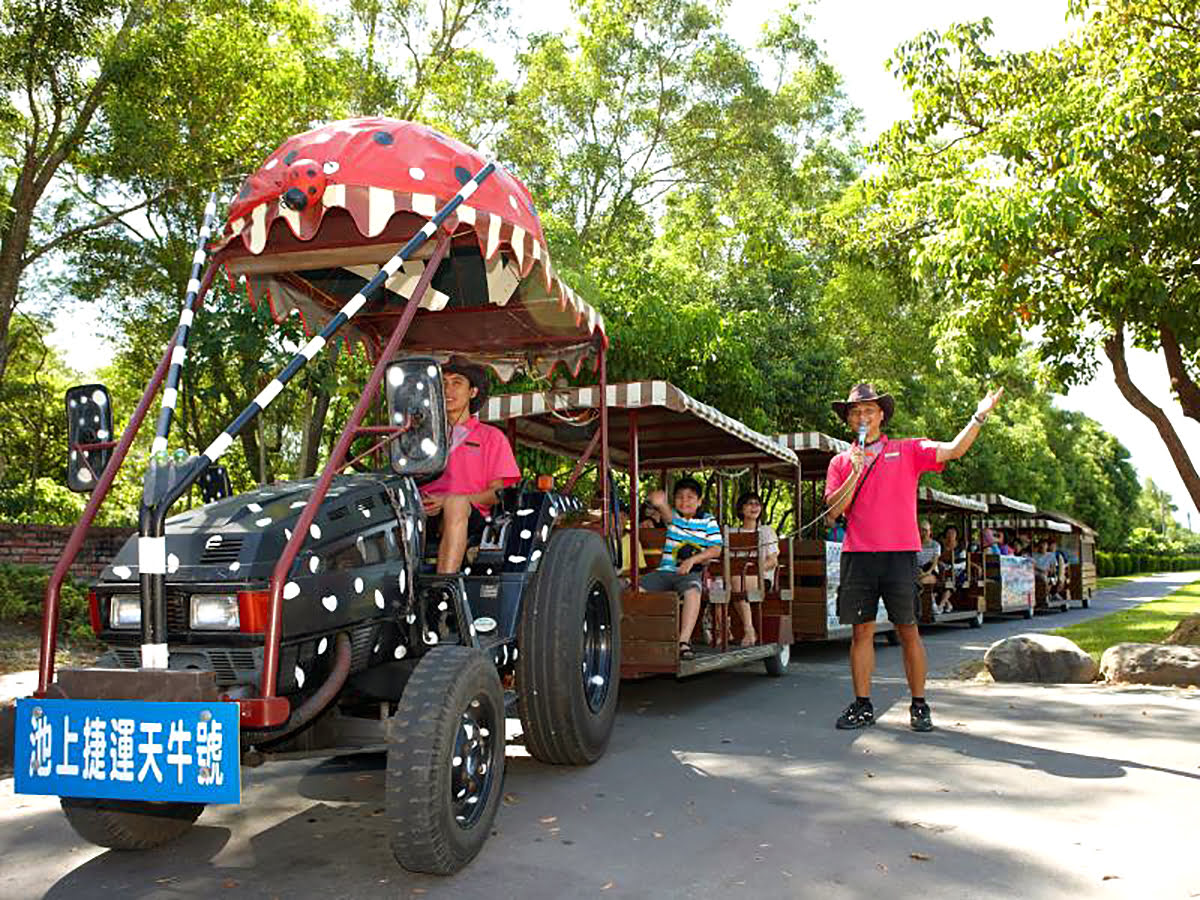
point(128, 750)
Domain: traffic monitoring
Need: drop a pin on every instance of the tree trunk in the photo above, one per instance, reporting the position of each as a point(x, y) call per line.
point(1114, 348)
point(262, 451)
point(1185, 388)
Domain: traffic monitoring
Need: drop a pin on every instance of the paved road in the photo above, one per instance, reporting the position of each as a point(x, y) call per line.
point(735, 785)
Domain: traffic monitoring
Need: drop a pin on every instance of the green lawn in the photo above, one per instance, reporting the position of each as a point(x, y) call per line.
point(1112, 580)
point(1148, 623)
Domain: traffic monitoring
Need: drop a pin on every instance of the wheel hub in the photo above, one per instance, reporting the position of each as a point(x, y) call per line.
point(597, 662)
point(473, 762)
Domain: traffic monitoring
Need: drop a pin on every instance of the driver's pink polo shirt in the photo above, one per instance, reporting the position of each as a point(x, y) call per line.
point(884, 514)
point(483, 457)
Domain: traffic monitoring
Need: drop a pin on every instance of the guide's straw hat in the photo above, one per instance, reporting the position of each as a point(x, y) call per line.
point(864, 393)
point(474, 373)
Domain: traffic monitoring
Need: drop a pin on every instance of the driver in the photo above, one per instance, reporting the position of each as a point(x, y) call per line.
point(480, 463)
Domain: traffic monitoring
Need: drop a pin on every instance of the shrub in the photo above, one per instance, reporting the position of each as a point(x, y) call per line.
point(23, 590)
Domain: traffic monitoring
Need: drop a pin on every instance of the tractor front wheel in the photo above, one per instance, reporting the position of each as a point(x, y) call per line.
point(129, 824)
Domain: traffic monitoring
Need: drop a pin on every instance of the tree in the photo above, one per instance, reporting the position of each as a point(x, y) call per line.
point(58, 61)
point(414, 60)
point(673, 178)
point(1052, 194)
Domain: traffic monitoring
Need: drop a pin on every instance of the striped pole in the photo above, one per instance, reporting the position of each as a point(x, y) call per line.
point(171, 391)
point(217, 448)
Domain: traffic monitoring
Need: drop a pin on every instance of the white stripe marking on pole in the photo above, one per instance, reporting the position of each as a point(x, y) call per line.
point(170, 395)
point(355, 304)
point(269, 393)
point(152, 555)
point(178, 355)
point(468, 189)
point(218, 447)
point(193, 286)
point(392, 266)
point(198, 258)
point(185, 317)
point(158, 445)
point(428, 229)
point(155, 656)
point(313, 347)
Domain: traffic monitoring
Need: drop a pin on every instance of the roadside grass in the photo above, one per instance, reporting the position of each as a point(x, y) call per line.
point(1147, 623)
point(1114, 580)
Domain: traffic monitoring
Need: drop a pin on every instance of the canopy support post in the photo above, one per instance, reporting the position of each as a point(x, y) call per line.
point(635, 543)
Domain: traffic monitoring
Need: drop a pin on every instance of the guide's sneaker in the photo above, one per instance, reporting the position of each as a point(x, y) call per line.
point(856, 715)
point(919, 718)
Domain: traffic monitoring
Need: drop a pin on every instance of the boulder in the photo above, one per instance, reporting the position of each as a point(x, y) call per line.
point(1151, 664)
point(1040, 658)
point(1186, 632)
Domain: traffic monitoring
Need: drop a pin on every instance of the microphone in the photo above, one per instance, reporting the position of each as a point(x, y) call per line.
point(862, 434)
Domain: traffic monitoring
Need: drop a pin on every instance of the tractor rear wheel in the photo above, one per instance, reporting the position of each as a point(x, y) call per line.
point(568, 669)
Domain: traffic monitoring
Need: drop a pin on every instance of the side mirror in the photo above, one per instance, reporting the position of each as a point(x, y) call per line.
point(214, 484)
point(90, 435)
point(416, 404)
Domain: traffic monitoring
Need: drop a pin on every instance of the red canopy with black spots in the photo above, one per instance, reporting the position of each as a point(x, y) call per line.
point(329, 206)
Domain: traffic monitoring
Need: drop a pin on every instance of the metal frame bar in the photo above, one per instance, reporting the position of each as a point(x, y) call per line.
point(268, 710)
point(79, 533)
point(179, 353)
point(170, 486)
point(635, 507)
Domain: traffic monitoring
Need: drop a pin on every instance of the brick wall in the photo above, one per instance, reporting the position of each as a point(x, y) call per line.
point(41, 545)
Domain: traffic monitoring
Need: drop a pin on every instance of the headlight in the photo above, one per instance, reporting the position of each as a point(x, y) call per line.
point(125, 611)
point(214, 612)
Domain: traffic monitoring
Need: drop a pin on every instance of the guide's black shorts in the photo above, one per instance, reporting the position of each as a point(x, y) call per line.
point(866, 577)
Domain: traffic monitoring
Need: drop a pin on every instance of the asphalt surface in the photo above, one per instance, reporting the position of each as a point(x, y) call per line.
point(735, 784)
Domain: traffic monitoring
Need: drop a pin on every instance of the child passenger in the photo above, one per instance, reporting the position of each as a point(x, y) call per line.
point(693, 538)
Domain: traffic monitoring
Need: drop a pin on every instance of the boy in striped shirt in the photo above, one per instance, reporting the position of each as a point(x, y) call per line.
point(693, 538)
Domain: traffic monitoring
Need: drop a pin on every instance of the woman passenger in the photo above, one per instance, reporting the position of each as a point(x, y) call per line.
point(749, 510)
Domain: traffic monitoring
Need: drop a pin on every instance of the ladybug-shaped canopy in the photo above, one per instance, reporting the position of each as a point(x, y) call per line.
point(328, 207)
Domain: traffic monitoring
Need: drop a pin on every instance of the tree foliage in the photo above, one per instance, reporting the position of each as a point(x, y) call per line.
point(704, 195)
point(1052, 194)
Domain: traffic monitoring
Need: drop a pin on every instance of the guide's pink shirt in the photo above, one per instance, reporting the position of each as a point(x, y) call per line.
point(884, 514)
point(483, 457)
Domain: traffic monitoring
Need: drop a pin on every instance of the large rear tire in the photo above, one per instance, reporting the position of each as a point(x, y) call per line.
point(129, 824)
point(445, 761)
point(568, 670)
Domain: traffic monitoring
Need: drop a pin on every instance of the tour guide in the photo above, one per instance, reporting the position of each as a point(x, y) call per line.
point(875, 486)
